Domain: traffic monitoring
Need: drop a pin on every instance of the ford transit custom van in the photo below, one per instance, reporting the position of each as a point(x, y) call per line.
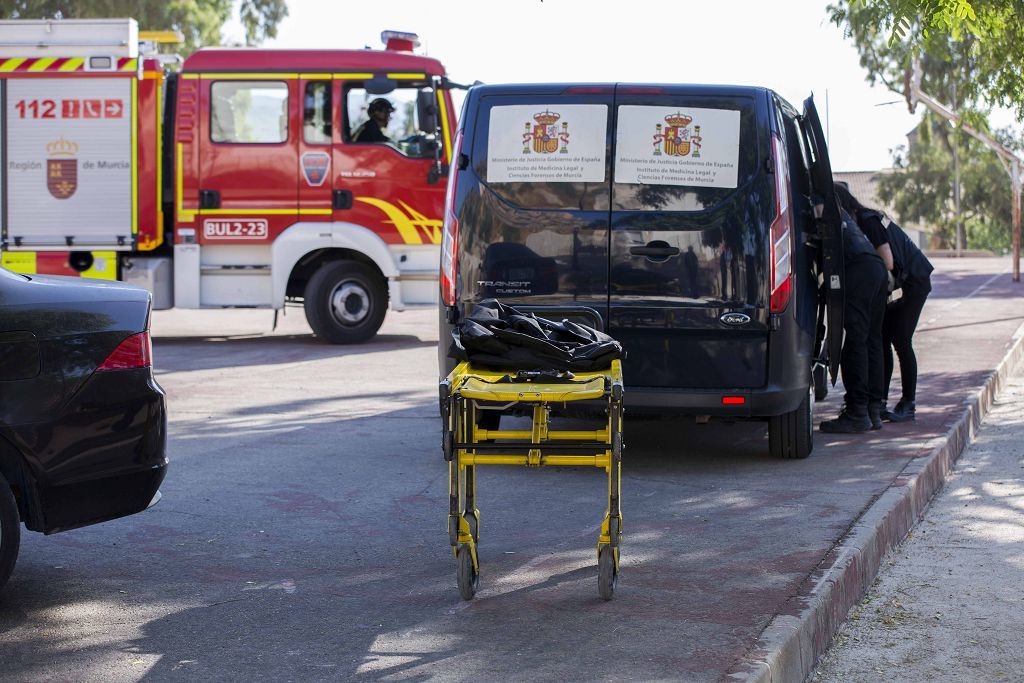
point(680, 219)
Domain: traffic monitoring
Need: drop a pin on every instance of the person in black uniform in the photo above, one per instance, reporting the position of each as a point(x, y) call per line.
point(911, 273)
point(863, 309)
point(373, 129)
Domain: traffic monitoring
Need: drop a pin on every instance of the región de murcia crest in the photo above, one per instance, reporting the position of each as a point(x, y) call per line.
point(61, 168)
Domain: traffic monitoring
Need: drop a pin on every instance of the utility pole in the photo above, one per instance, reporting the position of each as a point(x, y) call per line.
point(960, 236)
point(1010, 161)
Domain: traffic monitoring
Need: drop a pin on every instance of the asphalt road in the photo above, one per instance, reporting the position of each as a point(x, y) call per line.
point(302, 531)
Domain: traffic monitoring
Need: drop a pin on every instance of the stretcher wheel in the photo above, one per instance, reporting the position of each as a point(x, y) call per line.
point(606, 574)
point(468, 578)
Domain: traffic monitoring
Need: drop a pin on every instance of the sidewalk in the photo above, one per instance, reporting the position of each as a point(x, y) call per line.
point(949, 603)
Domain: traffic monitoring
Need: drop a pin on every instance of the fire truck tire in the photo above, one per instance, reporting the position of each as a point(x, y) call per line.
point(10, 531)
point(345, 302)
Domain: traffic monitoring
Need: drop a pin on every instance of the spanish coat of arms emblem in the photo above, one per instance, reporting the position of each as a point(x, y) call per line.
point(545, 135)
point(676, 138)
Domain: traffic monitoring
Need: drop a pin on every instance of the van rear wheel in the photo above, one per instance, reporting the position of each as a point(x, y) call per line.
point(791, 435)
point(345, 302)
point(10, 531)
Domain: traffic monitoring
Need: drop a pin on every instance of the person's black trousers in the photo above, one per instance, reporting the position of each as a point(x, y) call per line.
point(861, 363)
point(901, 319)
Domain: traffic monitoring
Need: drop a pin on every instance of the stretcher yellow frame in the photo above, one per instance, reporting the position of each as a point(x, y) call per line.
point(469, 393)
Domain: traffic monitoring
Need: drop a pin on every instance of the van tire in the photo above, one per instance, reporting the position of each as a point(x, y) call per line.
point(345, 302)
point(791, 434)
point(10, 531)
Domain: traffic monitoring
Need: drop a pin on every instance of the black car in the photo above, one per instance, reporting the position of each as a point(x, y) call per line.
point(679, 217)
point(83, 424)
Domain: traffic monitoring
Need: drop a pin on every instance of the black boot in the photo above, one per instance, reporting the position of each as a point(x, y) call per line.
point(847, 423)
point(903, 412)
point(875, 411)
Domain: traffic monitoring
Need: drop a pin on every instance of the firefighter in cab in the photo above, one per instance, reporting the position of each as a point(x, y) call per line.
point(373, 129)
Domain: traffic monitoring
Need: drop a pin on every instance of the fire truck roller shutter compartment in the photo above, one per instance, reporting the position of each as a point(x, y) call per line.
point(69, 163)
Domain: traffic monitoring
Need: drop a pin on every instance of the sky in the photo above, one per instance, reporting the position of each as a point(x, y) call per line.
point(788, 46)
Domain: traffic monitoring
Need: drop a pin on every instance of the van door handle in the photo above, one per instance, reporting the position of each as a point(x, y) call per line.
point(655, 250)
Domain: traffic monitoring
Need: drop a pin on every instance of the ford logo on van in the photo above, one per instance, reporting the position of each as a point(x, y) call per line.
point(733, 318)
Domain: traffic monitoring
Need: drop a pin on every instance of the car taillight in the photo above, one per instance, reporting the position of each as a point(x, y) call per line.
point(450, 238)
point(134, 352)
point(781, 234)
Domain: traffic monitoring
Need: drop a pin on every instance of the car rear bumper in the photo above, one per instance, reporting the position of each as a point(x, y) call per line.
point(102, 457)
point(89, 502)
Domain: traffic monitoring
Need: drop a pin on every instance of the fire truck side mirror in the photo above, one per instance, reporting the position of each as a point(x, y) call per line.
point(380, 85)
point(426, 110)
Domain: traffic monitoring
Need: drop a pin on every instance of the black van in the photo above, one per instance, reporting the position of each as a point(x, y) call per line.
point(678, 218)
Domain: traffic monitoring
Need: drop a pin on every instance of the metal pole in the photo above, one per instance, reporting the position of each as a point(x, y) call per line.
point(956, 191)
point(959, 236)
point(1015, 177)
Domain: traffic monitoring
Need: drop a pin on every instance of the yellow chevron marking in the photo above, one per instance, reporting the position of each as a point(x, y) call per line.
point(411, 224)
point(42, 64)
point(72, 64)
point(11, 64)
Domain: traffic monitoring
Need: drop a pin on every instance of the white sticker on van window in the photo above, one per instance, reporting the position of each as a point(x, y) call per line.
point(554, 143)
point(677, 146)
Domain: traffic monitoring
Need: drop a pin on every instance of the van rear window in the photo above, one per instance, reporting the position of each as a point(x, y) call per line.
point(676, 156)
point(545, 154)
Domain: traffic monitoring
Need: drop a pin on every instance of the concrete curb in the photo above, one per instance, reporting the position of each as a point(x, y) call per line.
point(790, 645)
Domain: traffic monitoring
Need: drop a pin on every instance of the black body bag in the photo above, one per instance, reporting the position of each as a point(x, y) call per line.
point(500, 337)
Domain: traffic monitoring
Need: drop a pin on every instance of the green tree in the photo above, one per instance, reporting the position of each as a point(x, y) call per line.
point(922, 188)
point(199, 21)
point(958, 68)
point(985, 38)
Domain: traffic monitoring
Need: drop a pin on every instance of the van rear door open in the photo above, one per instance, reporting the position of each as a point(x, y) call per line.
point(830, 233)
point(689, 239)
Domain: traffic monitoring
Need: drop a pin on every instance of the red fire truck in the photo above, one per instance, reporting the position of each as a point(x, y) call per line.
point(235, 181)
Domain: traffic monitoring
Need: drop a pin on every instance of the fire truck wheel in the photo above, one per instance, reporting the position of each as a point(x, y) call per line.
point(345, 302)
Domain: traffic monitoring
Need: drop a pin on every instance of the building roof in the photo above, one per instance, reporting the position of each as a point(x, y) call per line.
point(864, 186)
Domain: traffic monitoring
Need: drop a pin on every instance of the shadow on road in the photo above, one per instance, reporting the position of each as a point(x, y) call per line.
point(182, 354)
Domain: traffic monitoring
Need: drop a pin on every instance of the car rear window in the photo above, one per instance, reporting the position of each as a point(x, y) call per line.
point(683, 153)
point(541, 153)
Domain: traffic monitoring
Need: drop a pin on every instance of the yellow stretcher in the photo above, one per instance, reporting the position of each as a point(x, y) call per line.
point(472, 397)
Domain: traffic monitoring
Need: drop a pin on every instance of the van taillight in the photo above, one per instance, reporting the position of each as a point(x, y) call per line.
point(781, 233)
point(450, 238)
point(134, 352)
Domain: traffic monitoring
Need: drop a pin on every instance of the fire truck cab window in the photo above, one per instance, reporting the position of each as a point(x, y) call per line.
point(249, 112)
point(403, 129)
point(316, 113)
